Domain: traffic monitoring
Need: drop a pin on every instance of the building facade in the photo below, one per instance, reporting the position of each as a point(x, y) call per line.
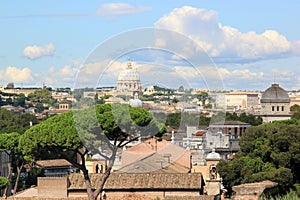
point(241, 100)
point(275, 104)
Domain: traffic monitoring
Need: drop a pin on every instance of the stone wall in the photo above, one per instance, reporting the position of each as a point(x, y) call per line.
point(251, 190)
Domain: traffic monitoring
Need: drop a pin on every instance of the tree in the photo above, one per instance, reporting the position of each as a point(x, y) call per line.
point(9, 143)
point(10, 123)
point(268, 152)
point(40, 95)
point(20, 101)
point(7, 121)
point(295, 108)
point(106, 126)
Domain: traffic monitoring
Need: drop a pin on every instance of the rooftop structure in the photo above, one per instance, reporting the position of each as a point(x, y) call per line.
point(275, 104)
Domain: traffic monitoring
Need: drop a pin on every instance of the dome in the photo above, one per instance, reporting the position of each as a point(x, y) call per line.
point(275, 94)
point(136, 103)
point(129, 74)
point(213, 155)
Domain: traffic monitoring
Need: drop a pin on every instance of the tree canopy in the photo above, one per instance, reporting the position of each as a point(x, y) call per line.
point(11, 123)
point(78, 132)
point(268, 152)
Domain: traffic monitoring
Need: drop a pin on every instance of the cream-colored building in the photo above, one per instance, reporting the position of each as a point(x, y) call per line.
point(275, 104)
point(128, 81)
point(241, 100)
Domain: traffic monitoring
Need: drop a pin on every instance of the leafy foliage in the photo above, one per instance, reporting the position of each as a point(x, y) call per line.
point(112, 126)
point(268, 152)
point(10, 123)
point(3, 182)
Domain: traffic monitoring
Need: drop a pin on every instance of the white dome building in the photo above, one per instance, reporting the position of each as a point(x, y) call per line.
point(129, 81)
point(136, 102)
point(213, 155)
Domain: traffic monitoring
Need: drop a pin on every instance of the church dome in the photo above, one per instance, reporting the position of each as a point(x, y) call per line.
point(213, 155)
point(275, 94)
point(129, 74)
point(136, 102)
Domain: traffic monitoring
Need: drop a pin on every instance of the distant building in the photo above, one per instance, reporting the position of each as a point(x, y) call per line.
point(241, 100)
point(4, 161)
point(234, 128)
point(56, 167)
point(275, 104)
point(155, 156)
point(16, 110)
point(120, 186)
point(210, 174)
point(128, 81)
point(149, 90)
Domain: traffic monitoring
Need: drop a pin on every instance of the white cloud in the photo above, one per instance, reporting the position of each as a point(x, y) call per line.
point(114, 9)
point(225, 43)
point(62, 76)
point(240, 74)
point(34, 52)
point(13, 74)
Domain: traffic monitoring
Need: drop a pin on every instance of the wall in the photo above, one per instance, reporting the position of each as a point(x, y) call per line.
point(46, 186)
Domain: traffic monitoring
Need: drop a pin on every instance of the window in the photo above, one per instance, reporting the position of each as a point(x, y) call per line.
point(273, 108)
point(282, 108)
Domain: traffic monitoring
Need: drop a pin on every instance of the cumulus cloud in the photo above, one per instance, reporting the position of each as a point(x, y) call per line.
point(114, 9)
point(34, 52)
point(14, 74)
point(62, 76)
point(225, 43)
point(240, 74)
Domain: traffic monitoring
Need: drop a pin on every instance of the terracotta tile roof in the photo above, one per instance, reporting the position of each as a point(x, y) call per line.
point(177, 154)
point(117, 181)
point(154, 163)
point(53, 163)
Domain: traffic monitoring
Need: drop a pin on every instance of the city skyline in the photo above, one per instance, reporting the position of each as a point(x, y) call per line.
point(252, 44)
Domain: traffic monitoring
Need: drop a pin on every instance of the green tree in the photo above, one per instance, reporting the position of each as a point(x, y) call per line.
point(20, 101)
point(295, 108)
point(10, 123)
point(3, 182)
point(173, 119)
point(40, 95)
point(9, 143)
point(105, 126)
point(7, 121)
point(268, 152)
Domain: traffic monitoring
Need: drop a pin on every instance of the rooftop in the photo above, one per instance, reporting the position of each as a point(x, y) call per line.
point(140, 181)
point(275, 94)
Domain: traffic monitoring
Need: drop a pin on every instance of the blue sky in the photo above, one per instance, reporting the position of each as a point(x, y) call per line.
point(252, 43)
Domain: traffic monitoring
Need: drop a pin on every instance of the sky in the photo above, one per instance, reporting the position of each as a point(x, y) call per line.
point(249, 44)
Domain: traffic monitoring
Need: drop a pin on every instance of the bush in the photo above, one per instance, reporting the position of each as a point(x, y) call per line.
point(292, 195)
point(3, 182)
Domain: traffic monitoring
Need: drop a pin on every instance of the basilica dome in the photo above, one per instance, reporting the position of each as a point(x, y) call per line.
point(128, 81)
point(129, 74)
point(275, 94)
